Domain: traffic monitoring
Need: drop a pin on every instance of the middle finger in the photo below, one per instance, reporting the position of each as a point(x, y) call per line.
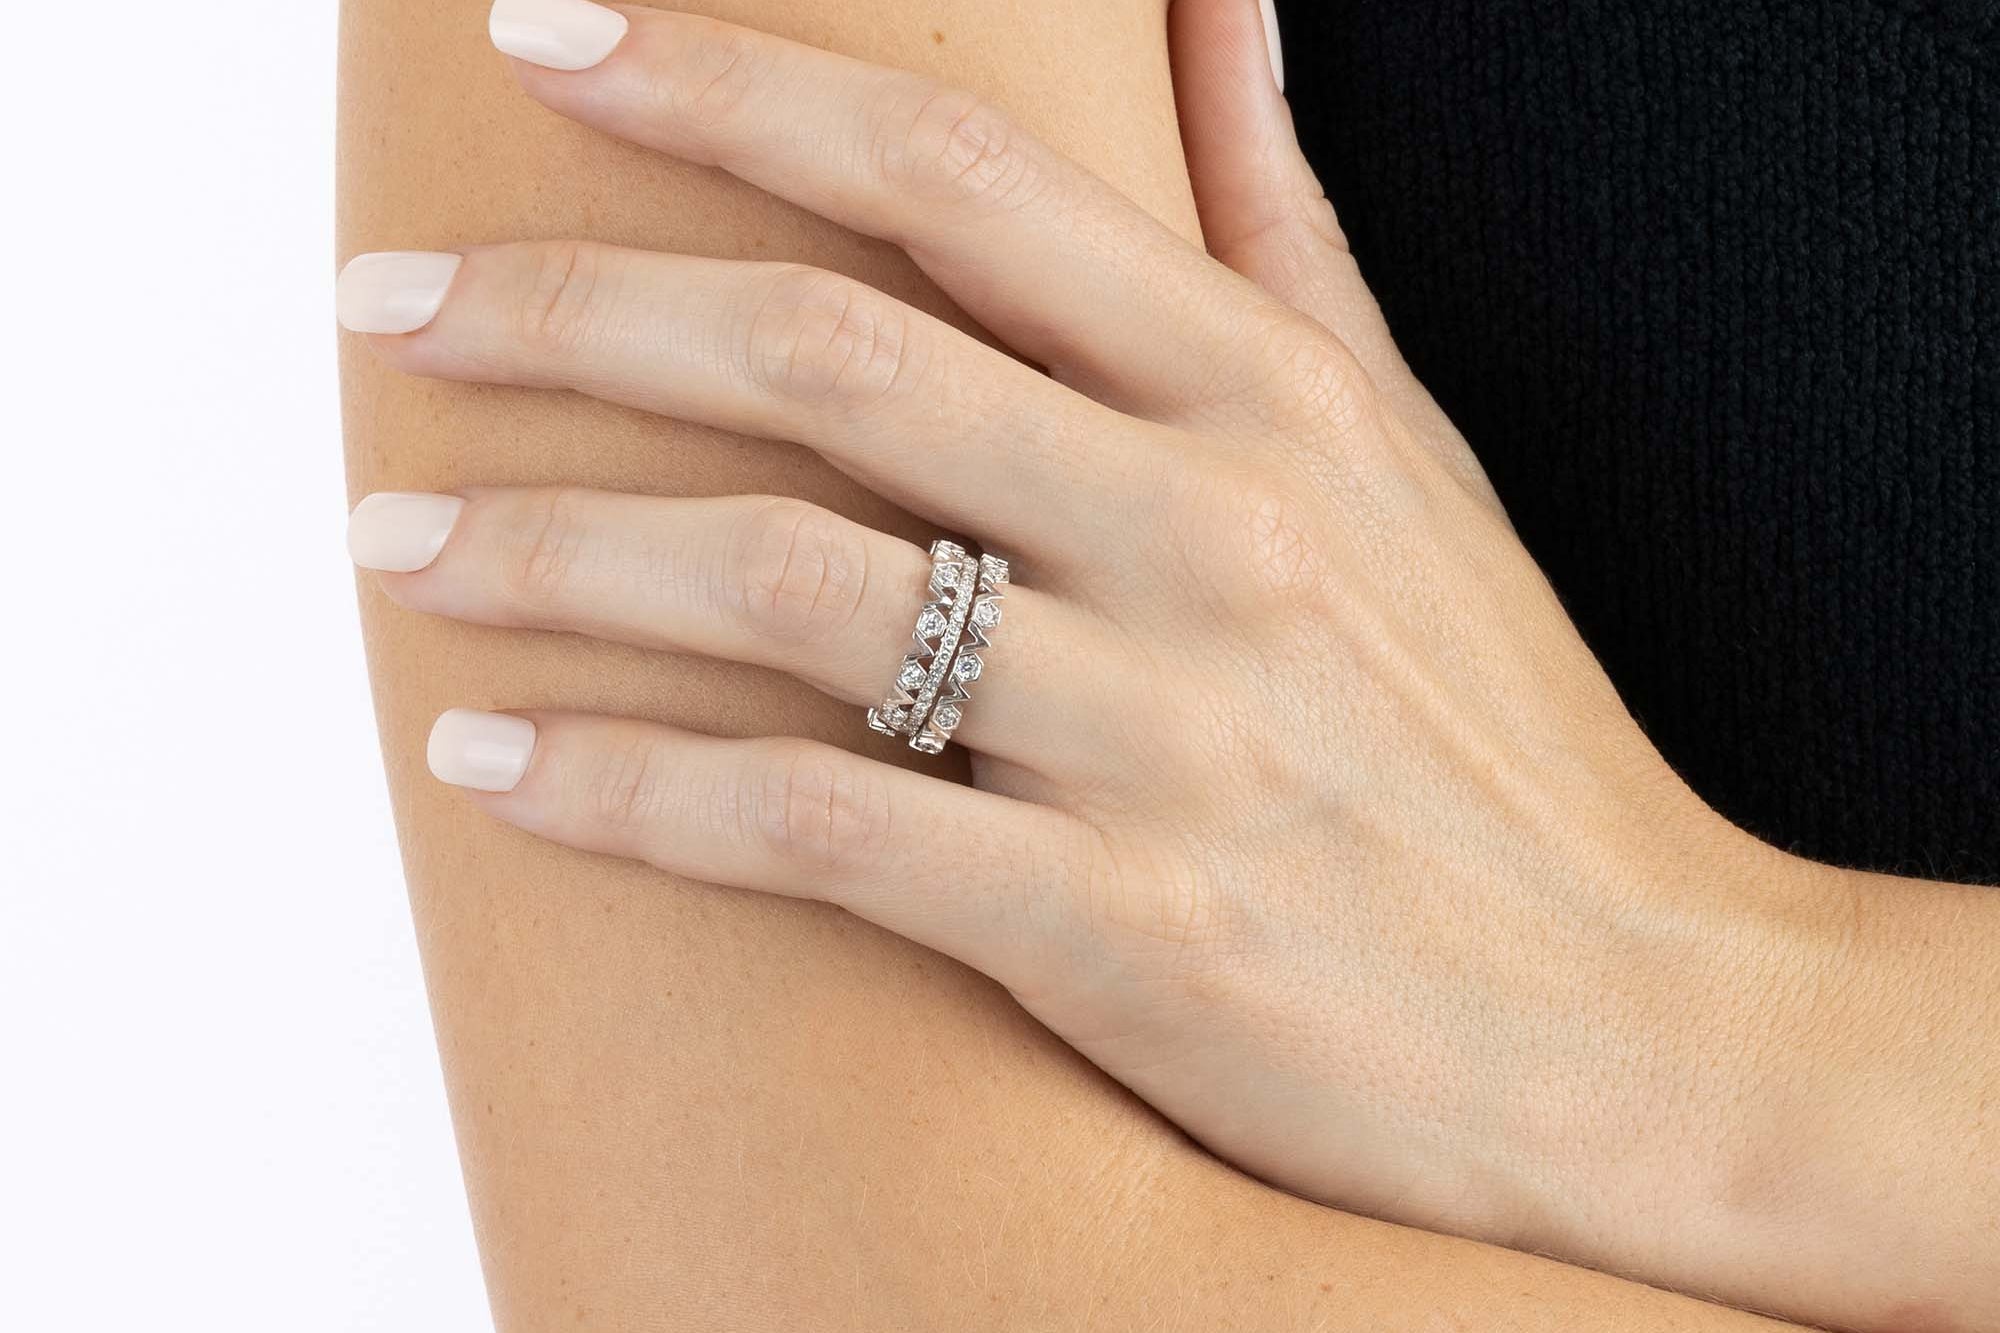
point(923, 413)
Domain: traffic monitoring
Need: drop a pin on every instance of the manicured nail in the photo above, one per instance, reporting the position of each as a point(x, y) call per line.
point(398, 291)
point(400, 532)
point(558, 34)
point(1277, 46)
point(483, 751)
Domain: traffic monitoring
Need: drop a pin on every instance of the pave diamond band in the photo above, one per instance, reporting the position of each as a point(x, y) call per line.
point(926, 701)
point(982, 616)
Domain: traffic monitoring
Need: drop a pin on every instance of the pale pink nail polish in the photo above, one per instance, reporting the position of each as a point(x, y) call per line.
point(400, 532)
point(396, 291)
point(1270, 10)
point(482, 751)
point(557, 34)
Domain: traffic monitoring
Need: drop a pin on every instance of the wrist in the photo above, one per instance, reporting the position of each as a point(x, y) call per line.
point(1711, 977)
point(1799, 1125)
point(1862, 1128)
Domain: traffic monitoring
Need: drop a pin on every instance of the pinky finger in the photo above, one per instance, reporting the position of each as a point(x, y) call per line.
point(985, 879)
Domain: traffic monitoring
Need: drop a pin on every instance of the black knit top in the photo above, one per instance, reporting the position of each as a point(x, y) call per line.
point(1713, 288)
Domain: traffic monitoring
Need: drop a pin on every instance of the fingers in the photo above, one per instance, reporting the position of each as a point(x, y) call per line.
point(1262, 210)
point(926, 415)
point(776, 583)
point(987, 880)
point(1057, 263)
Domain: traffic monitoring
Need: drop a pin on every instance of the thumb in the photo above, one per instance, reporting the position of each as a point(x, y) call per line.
point(1262, 210)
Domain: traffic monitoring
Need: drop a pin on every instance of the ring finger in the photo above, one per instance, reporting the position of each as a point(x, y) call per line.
point(772, 582)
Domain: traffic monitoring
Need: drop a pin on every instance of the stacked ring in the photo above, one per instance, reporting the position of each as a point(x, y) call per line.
point(935, 731)
point(926, 701)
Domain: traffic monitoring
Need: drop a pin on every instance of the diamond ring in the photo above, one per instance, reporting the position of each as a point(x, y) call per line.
point(926, 701)
point(949, 710)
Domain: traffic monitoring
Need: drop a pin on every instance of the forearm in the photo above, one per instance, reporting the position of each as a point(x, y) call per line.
point(1807, 1087)
point(684, 1107)
point(1870, 1124)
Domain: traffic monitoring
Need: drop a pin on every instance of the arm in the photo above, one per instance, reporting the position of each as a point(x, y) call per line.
point(684, 1107)
point(1867, 1009)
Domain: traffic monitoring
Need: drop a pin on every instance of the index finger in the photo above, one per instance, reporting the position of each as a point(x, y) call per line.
point(1048, 256)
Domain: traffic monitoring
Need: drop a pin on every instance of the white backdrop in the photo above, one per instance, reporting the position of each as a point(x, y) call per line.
point(220, 1106)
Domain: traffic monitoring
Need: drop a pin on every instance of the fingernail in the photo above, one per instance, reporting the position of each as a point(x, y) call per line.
point(482, 751)
point(395, 292)
point(557, 34)
point(400, 532)
point(1277, 47)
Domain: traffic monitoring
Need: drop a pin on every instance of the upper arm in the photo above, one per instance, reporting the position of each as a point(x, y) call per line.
point(685, 1107)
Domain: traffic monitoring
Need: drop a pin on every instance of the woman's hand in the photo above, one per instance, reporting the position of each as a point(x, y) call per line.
point(1301, 807)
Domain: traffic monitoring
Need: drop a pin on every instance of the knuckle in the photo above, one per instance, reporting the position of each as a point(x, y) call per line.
point(624, 788)
point(1279, 552)
point(1301, 254)
point(547, 543)
point(1163, 903)
point(1260, 543)
point(723, 64)
point(956, 147)
point(827, 341)
point(822, 810)
point(1315, 213)
point(1336, 429)
point(1182, 912)
point(1319, 381)
point(561, 306)
point(796, 571)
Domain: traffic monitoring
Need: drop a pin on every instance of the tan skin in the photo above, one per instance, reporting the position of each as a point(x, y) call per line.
point(686, 1107)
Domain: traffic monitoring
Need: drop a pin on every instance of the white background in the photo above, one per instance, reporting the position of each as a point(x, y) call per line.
point(220, 1107)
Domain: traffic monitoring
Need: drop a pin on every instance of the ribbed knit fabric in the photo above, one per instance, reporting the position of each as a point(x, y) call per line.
point(1713, 287)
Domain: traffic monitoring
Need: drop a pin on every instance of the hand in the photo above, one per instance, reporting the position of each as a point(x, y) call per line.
point(1300, 806)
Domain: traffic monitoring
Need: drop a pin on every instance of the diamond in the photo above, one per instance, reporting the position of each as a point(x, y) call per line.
point(967, 667)
point(947, 717)
point(931, 623)
point(945, 576)
point(912, 675)
point(986, 614)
